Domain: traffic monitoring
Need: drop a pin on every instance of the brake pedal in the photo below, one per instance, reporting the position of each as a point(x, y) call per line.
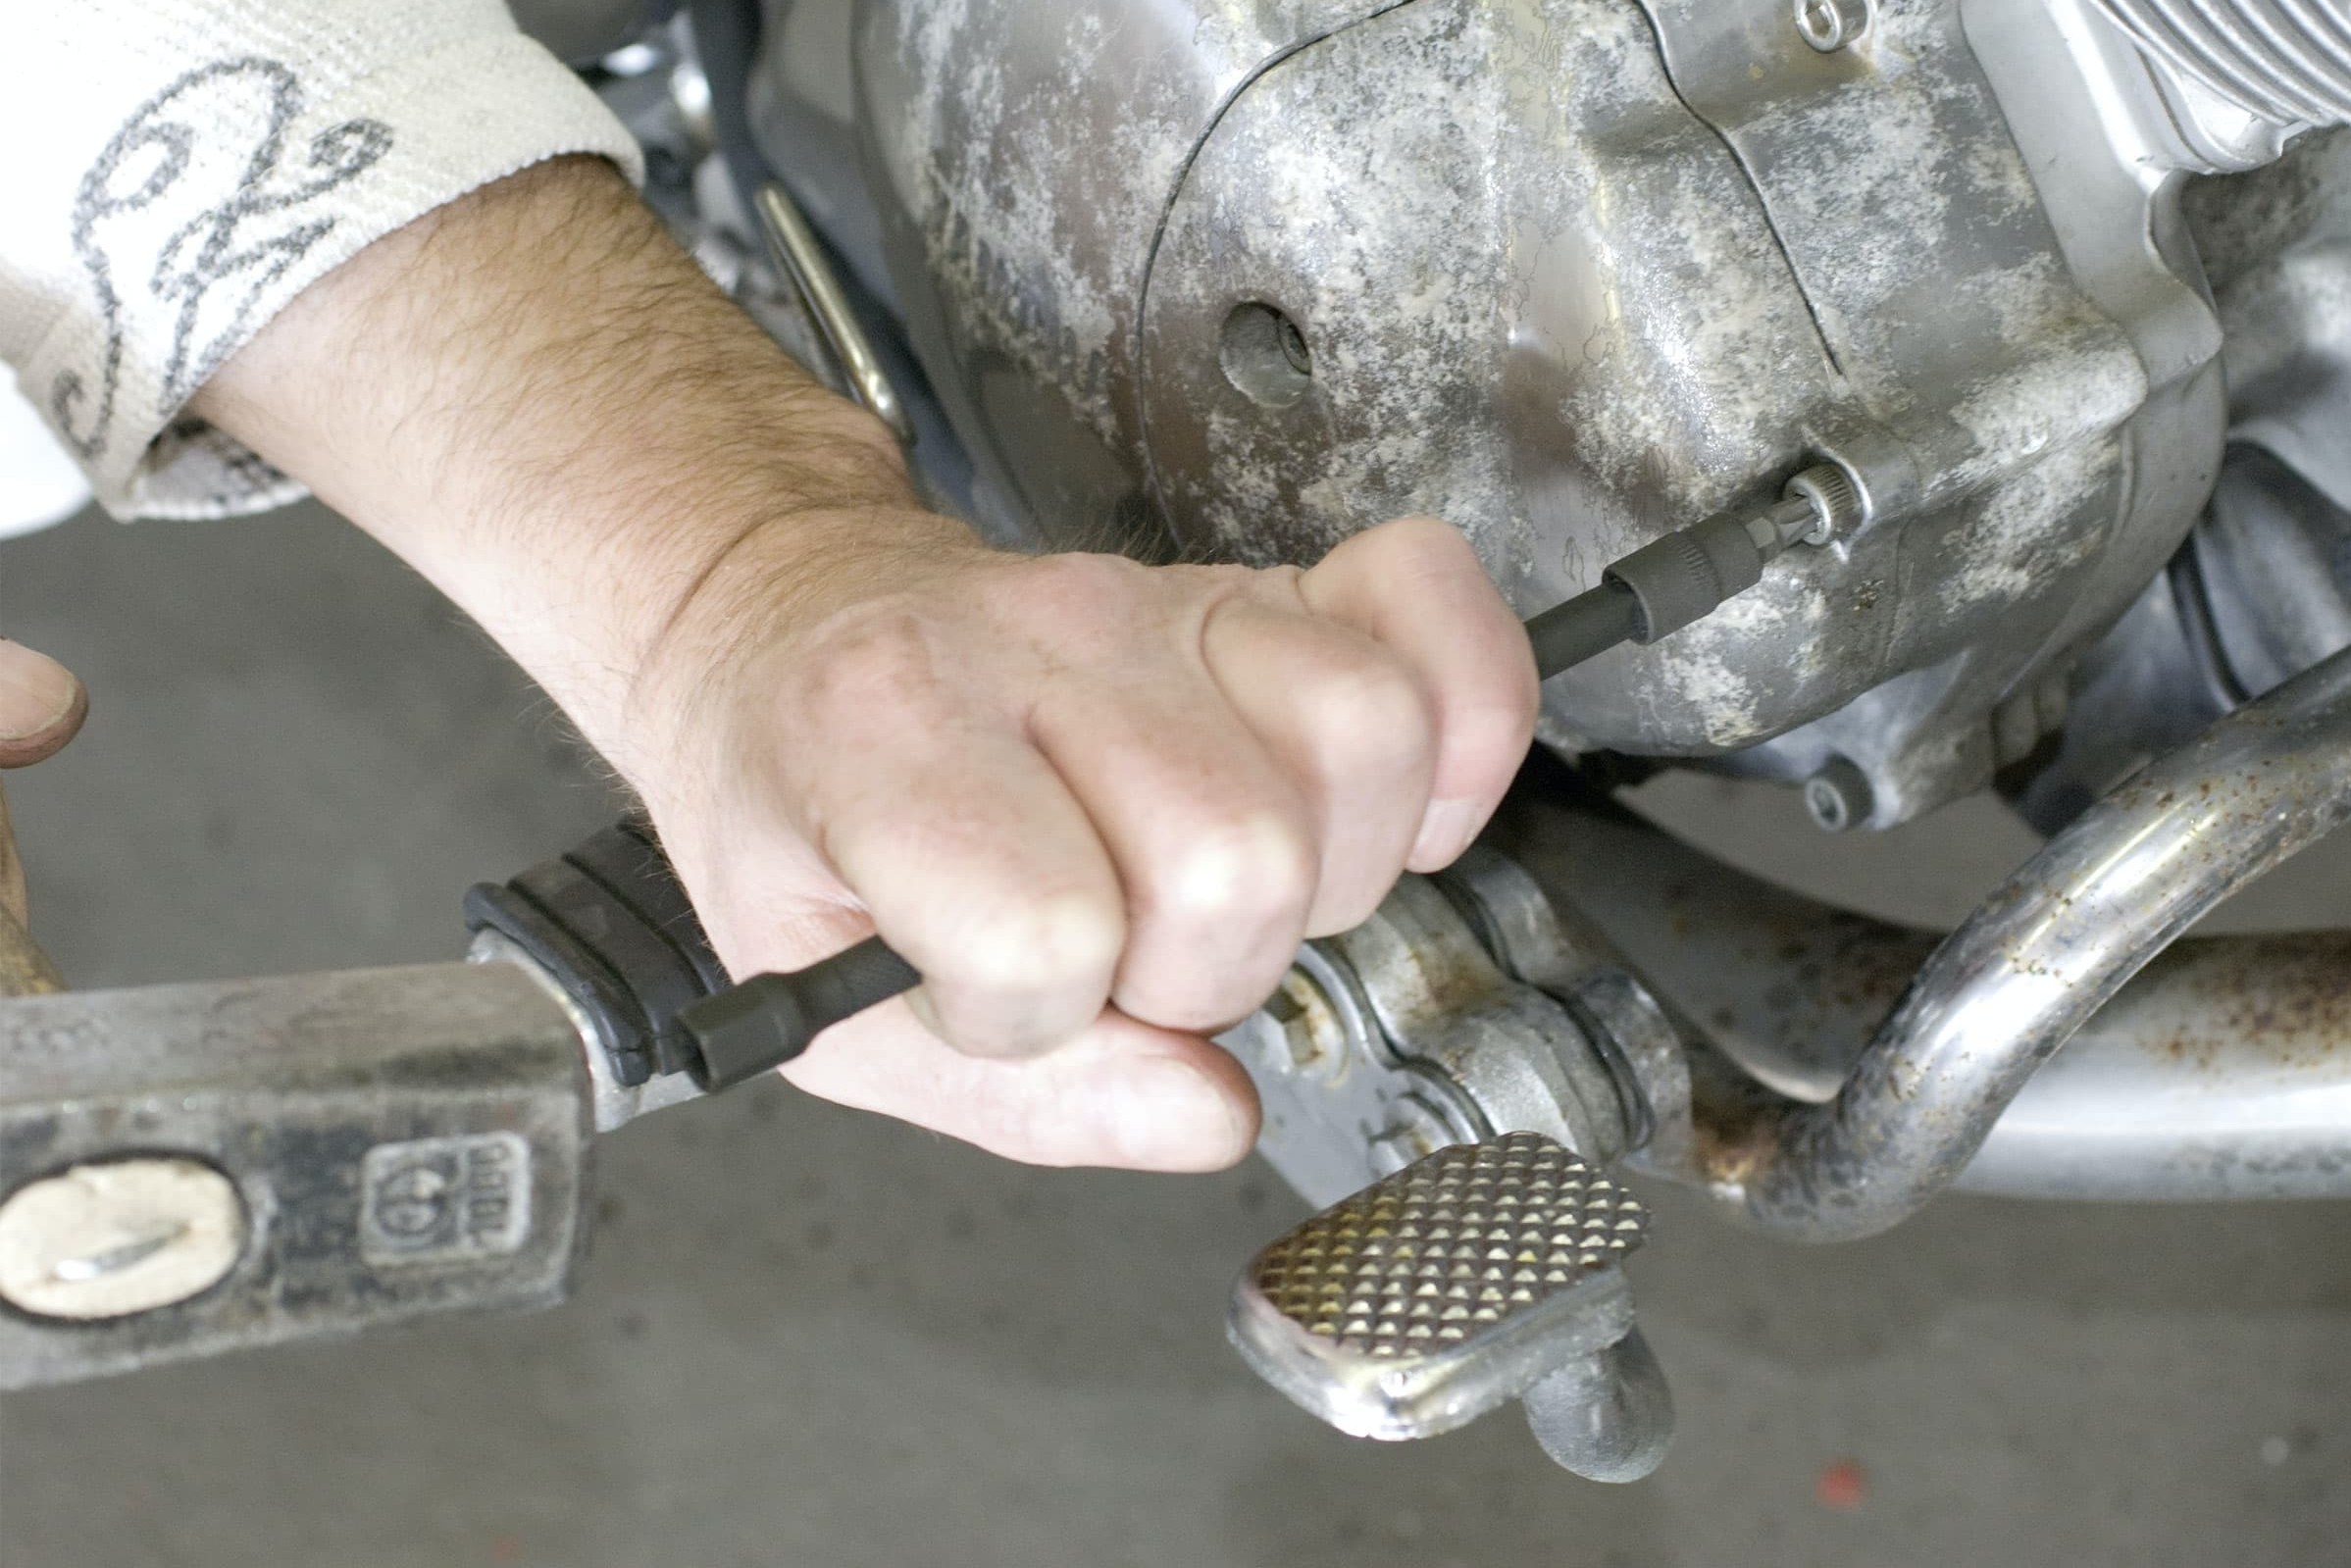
point(1479, 1274)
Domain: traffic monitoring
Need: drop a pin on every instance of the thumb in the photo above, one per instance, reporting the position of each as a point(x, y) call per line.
point(41, 705)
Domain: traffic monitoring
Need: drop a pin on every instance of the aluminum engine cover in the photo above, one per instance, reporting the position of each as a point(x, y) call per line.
point(1571, 274)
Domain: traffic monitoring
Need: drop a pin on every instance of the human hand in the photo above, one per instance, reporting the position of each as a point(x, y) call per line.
point(1097, 805)
point(41, 707)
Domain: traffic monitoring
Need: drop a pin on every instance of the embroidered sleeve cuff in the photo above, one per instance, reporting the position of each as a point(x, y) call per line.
point(232, 190)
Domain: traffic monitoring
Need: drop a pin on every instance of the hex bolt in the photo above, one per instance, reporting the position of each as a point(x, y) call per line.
point(113, 1239)
point(1830, 25)
point(1835, 502)
point(1839, 796)
point(1311, 1028)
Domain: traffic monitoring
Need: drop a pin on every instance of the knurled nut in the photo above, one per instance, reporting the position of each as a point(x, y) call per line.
point(1836, 501)
point(1697, 565)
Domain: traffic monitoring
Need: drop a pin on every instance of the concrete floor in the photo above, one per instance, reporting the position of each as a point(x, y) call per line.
point(811, 1338)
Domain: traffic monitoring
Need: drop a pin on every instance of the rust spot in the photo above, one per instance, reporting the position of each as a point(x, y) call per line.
point(1841, 1487)
point(2220, 1006)
point(1730, 1143)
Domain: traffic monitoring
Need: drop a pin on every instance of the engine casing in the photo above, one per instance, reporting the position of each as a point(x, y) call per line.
point(1238, 278)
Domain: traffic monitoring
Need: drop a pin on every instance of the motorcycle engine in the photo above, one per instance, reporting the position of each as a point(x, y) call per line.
point(1233, 279)
point(2062, 291)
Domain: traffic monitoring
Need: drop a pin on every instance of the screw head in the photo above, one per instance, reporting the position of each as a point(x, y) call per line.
point(1830, 25)
point(1838, 796)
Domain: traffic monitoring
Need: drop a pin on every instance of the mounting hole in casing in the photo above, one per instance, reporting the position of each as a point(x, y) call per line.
point(1264, 355)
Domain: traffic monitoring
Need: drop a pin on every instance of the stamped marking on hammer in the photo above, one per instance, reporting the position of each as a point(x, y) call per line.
point(445, 1199)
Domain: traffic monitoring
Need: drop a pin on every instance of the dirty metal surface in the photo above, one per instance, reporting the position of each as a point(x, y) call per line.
point(402, 1141)
point(2278, 240)
point(1444, 1289)
point(1023, 155)
point(2220, 1071)
point(1571, 290)
point(2037, 961)
point(1450, 1248)
point(1403, 1035)
point(1336, 1101)
point(2223, 1070)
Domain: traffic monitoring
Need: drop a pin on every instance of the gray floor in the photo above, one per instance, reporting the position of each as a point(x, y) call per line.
point(812, 1337)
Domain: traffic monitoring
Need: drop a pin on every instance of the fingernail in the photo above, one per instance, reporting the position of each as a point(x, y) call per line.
point(36, 692)
point(1168, 1115)
point(1444, 832)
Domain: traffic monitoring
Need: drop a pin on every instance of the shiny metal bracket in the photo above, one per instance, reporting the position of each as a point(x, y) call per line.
point(1478, 1275)
point(803, 257)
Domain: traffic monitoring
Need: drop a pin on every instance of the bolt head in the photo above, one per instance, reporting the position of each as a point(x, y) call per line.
point(1838, 796)
point(1311, 1029)
point(1830, 25)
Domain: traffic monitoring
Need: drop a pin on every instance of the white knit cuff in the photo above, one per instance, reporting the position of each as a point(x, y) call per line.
point(181, 293)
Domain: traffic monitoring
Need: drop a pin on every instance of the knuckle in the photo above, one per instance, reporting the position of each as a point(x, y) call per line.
point(1405, 540)
point(1432, 538)
point(1073, 589)
point(1066, 943)
point(1372, 708)
point(1489, 722)
point(1255, 867)
point(1434, 556)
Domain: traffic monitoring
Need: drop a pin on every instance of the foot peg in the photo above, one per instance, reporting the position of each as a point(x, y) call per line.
point(1482, 1273)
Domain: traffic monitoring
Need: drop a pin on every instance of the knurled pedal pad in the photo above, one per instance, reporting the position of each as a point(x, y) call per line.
point(1434, 1296)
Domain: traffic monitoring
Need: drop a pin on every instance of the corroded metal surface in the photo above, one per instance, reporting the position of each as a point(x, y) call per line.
point(402, 1143)
point(1999, 998)
point(1024, 155)
point(1403, 1035)
point(2223, 1071)
point(1644, 309)
point(2278, 243)
point(1571, 273)
point(2050, 948)
point(1788, 988)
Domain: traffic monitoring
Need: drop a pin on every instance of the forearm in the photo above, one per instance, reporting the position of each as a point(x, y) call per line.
point(538, 402)
point(1096, 804)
